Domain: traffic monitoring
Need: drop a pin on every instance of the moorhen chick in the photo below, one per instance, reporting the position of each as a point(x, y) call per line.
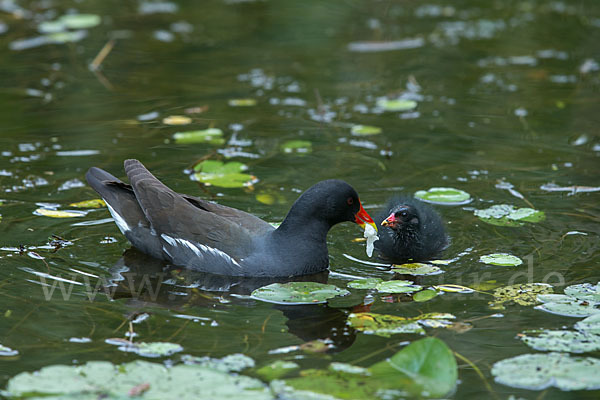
point(194, 233)
point(410, 230)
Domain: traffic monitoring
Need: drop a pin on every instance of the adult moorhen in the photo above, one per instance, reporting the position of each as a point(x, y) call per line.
point(410, 231)
point(205, 236)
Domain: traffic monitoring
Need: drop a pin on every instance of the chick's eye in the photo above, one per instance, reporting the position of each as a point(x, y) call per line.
point(404, 213)
point(350, 201)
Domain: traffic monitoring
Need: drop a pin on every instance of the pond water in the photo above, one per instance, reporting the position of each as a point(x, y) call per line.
point(505, 91)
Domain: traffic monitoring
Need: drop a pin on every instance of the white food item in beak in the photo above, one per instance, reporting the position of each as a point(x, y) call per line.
point(371, 235)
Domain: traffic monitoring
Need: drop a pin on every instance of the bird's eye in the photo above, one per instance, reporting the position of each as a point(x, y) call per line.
point(350, 201)
point(404, 213)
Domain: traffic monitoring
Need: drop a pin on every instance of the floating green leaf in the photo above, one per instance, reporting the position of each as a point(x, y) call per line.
point(7, 351)
point(525, 294)
point(417, 269)
point(502, 259)
point(444, 196)
point(507, 215)
point(242, 102)
point(540, 371)
point(228, 175)
point(397, 286)
point(578, 301)
point(101, 379)
point(396, 104)
point(297, 293)
point(452, 288)
point(177, 120)
point(94, 203)
point(584, 291)
point(297, 146)
point(365, 130)
point(210, 135)
point(425, 368)
point(277, 369)
point(590, 324)
point(58, 214)
point(70, 21)
point(387, 325)
point(424, 295)
point(561, 340)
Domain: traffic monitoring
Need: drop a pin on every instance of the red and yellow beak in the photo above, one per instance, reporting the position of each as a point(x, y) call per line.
point(362, 218)
point(390, 221)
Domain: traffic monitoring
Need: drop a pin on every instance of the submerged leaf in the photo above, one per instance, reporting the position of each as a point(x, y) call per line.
point(444, 196)
point(297, 293)
point(501, 259)
point(540, 371)
point(424, 295)
point(277, 369)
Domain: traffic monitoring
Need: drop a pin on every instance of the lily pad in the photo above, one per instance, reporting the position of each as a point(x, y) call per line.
point(424, 295)
point(70, 21)
point(561, 340)
point(277, 369)
point(425, 368)
point(242, 102)
point(502, 259)
point(230, 363)
point(386, 325)
point(590, 324)
point(451, 288)
point(541, 371)
point(210, 135)
point(525, 294)
point(508, 215)
point(297, 293)
point(578, 301)
point(94, 203)
point(101, 379)
point(152, 349)
point(227, 175)
point(7, 351)
point(584, 291)
point(444, 196)
point(417, 269)
point(177, 120)
point(297, 146)
point(368, 283)
point(397, 286)
point(396, 104)
point(58, 213)
point(365, 130)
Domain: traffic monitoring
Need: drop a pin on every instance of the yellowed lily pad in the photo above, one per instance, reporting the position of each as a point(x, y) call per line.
point(525, 294)
point(417, 269)
point(58, 213)
point(94, 203)
point(177, 120)
point(396, 104)
point(386, 325)
point(242, 102)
